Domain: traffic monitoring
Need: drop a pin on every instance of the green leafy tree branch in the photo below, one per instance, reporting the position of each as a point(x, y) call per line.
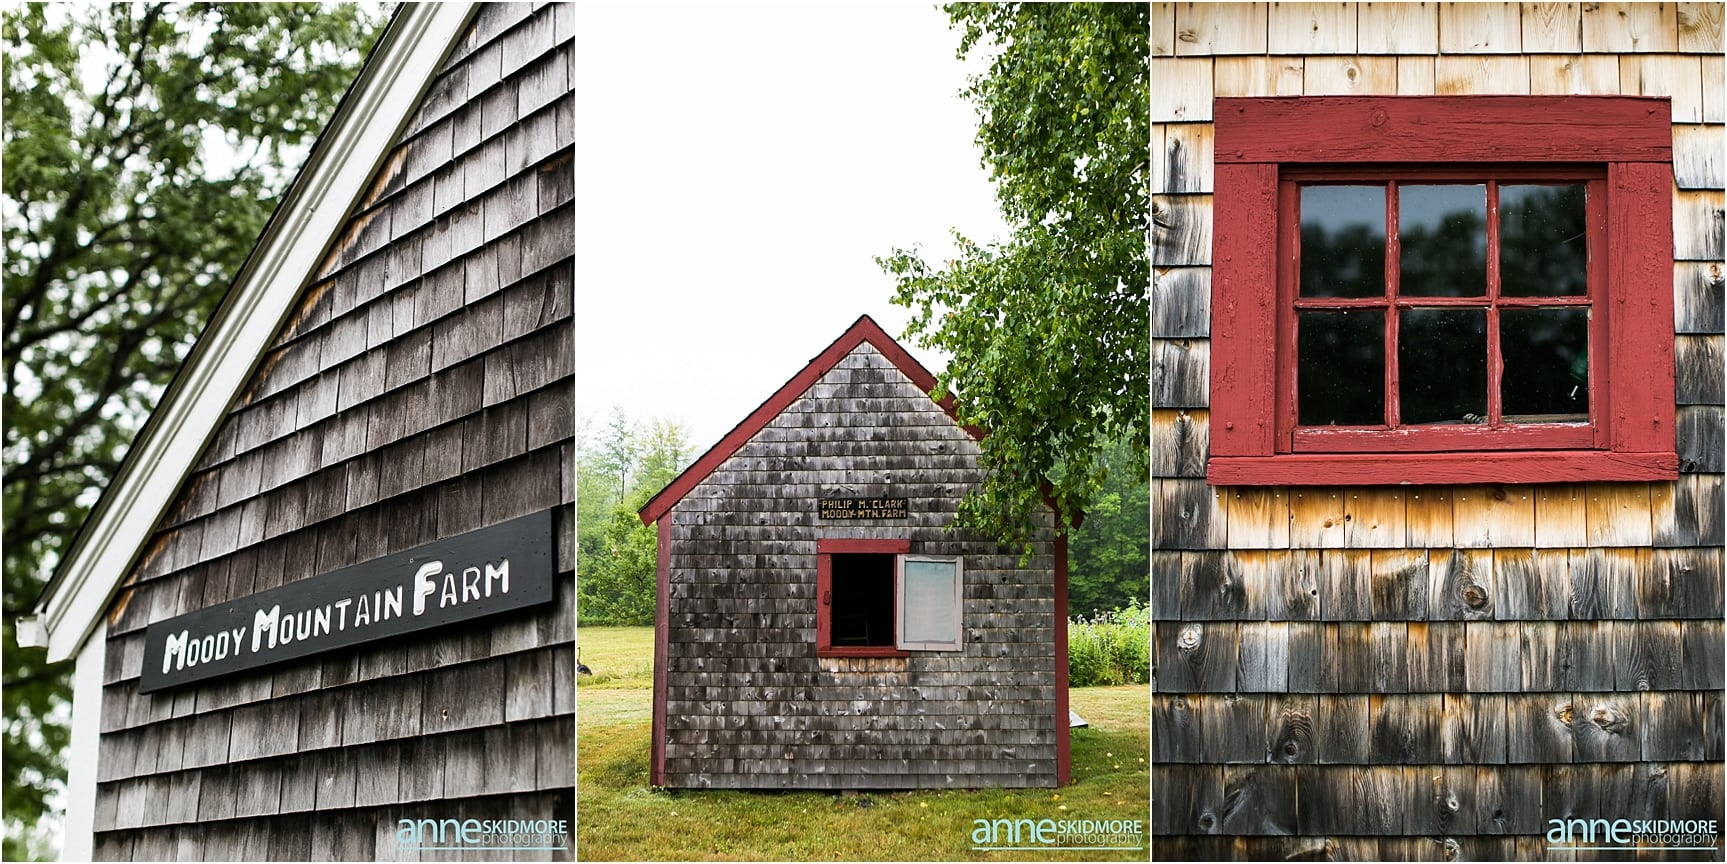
point(145, 147)
point(1048, 329)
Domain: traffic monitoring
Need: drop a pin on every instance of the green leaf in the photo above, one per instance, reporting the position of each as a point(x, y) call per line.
point(1049, 328)
point(122, 231)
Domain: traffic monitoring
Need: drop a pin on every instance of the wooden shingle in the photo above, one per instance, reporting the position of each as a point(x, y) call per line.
point(339, 452)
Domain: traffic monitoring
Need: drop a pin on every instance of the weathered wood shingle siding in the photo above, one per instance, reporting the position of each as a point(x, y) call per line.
point(422, 388)
point(748, 702)
point(1351, 664)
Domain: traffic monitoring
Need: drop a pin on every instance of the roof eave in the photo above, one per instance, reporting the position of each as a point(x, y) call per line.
point(865, 329)
point(335, 177)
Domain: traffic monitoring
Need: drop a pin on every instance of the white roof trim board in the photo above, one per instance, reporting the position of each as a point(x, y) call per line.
point(333, 180)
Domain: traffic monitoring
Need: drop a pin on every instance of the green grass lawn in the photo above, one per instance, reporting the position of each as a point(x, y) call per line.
point(619, 818)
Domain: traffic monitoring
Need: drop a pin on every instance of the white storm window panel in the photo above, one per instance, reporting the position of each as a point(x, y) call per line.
point(930, 603)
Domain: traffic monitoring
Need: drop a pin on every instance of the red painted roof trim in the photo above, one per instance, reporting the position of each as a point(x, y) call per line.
point(864, 330)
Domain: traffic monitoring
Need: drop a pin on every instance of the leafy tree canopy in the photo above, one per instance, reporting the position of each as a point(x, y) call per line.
point(1111, 551)
point(617, 471)
point(1048, 329)
point(145, 147)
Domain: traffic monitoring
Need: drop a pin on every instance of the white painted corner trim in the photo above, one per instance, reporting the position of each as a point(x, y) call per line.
point(305, 226)
point(79, 843)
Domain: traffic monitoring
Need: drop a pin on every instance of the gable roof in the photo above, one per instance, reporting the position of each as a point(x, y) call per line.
point(864, 330)
point(334, 179)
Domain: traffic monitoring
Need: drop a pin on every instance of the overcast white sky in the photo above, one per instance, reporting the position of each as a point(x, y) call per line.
point(737, 167)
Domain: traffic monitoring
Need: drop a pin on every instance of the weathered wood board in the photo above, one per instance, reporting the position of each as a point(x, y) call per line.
point(1181, 302)
point(1183, 93)
point(1311, 28)
point(1463, 663)
point(1205, 29)
point(419, 389)
point(1259, 76)
point(1480, 28)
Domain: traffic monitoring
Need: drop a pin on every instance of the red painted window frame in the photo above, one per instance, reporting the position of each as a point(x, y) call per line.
point(825, 550)
point(1263, 143)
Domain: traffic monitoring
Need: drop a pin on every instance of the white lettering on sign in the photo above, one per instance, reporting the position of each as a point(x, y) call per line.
point(181, 651)
point(423, 586)
point(470, 584)
point(469, 578)
point(174, 652)
point(271, 628)
point(262, 623)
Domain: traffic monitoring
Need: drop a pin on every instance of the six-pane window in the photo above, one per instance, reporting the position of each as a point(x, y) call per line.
point(1440, 290)
point(1441, 301)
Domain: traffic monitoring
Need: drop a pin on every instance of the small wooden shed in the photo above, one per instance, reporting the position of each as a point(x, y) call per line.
point(331, 587)
point(820, 625)
point(1421, 594)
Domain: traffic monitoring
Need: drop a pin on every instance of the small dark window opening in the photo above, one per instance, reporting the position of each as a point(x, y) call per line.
point(862, 610)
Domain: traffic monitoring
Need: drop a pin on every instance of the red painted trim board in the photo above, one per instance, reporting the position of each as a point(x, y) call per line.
point(1353, 469)
point(1319, 129)
point(1640, 253)
point(662, 632)
point(1063, 744)
point(1243, 370)
point(826, 548)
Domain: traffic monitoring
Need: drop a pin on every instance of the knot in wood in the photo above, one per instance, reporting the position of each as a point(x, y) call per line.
point(1378, 117)
point(1190, 638)
point(1563, 712)
point(1206, 820)
point(1474, 595)
point(1608, 718)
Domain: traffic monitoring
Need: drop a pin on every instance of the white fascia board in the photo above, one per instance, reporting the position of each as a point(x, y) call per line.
point(332, 182)
point(78, 842)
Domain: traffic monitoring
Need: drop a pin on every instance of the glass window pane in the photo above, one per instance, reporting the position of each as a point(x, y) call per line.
point(1342, 241)
point(1341, 372)
point(1543, 244)
point(1546, 377)
point(1443, 232)
point(1442, 366)
point(930, 614)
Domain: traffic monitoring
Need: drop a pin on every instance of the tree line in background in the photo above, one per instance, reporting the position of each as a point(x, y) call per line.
point(622, 463)
point(146, 145)
point(618, 468)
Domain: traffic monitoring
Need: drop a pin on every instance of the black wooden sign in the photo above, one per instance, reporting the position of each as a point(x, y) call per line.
point(495, 569)
point(862, 508)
